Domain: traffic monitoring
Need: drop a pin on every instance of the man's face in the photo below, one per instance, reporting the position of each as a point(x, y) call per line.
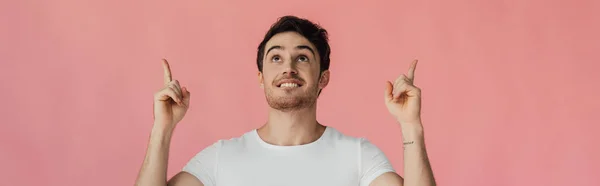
point(291, 74)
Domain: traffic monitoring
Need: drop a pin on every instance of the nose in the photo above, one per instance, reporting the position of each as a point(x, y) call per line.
point(290, 69)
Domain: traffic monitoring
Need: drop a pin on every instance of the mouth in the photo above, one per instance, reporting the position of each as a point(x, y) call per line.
point(289, 83)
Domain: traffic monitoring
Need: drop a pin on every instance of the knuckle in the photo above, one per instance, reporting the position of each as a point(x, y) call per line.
point(169, 89)
point(158, 95)
point(401, 83)
point(173, 87)
point(160, 92)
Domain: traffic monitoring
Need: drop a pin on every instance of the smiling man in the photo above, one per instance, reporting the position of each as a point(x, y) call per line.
point(292, 148)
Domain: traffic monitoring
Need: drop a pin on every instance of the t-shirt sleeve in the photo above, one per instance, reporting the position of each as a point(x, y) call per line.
point(373, 162)
point(204, 164)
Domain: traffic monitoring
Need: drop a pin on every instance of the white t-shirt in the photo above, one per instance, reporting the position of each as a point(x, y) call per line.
point(332, 160)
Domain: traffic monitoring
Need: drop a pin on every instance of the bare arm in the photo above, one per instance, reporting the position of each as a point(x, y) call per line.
point(417, 170)
point(170, 105)
point(154, 168)
point(403, 100)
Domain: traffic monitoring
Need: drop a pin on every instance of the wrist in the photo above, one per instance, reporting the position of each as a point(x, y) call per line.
point(162, 131)
point(416, 126)
point(412, 132)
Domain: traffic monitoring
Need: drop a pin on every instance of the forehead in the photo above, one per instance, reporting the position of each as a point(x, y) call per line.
point(288, 40)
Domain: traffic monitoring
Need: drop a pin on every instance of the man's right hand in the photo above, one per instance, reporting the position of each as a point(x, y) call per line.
point(171, 102)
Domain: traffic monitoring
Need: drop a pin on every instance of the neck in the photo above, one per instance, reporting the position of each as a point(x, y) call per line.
point(290, 128)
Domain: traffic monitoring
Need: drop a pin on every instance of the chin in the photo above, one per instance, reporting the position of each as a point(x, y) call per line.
point(289, 103)
point(289, 98)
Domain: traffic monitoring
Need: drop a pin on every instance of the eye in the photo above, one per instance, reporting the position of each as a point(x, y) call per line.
point(302, 58)
point(276, 58)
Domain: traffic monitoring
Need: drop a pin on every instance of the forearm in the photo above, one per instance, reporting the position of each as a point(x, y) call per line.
point(154, 168)
point(417, 170)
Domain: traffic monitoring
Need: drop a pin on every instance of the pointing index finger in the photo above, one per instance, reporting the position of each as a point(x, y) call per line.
point(411, 70)
point(167, 71)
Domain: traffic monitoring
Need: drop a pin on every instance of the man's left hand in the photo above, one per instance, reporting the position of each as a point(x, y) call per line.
point(403, 98)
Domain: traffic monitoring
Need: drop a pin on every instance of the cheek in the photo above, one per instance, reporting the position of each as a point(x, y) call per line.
point(314, 76)
point(270, 70)
point(268, 78)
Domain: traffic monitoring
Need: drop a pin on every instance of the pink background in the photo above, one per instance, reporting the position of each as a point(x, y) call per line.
point(509, 87)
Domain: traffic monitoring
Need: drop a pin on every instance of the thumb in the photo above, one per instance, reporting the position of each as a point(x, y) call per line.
point(388, 91)
point(186, 95)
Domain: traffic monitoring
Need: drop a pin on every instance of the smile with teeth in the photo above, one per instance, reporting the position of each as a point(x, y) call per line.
point(291, 85)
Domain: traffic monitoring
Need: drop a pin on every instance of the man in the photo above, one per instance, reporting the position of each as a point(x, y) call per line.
point(292, 147)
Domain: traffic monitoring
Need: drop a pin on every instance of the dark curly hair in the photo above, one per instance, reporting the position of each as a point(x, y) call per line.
point(311, 31)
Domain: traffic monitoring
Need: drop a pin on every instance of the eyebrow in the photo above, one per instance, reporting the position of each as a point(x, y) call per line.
point(273, 47)
point(306, 47)
point(297, 47)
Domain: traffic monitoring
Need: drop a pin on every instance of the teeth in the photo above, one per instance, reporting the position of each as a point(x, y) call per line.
point(289, 85)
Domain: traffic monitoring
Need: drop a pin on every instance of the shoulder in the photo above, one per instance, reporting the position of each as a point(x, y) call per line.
point(338, 136)
point(361, 144)
point(216, 147)
point(235, 144)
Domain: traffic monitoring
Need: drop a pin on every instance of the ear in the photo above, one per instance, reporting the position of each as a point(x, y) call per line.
point(260, 79)
point(324, 80)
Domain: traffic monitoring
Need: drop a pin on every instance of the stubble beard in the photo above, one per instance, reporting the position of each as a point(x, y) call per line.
point(287, 103)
